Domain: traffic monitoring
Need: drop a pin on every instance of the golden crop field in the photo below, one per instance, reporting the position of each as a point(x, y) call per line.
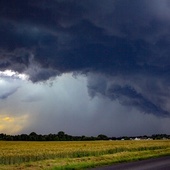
point(61, 155)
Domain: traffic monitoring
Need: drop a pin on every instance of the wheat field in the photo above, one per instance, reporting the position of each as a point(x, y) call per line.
point(57, 155)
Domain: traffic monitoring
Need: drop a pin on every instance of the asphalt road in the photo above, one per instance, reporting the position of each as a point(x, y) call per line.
point(162, 163)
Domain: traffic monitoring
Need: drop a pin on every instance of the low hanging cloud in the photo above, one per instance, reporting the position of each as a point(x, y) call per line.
point(127, 42)
point(8, 88)
point(5, 95)
point(131, 93)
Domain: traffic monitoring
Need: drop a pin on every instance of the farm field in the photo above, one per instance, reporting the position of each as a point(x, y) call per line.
point(76, 155)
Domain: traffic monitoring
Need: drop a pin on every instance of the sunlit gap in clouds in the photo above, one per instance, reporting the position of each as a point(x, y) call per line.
point(13, 74)
point(12, 124)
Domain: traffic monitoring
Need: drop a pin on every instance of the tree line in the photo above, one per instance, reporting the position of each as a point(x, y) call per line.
point(62, 136)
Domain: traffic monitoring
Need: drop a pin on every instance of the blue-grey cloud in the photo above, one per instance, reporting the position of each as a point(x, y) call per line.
point(147, 94)
point(128, 96)
point(5, 95)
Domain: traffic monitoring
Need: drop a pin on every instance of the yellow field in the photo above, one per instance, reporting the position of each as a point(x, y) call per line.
point(76, 155)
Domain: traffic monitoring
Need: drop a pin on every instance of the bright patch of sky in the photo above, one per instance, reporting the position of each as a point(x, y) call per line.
point(13, 74)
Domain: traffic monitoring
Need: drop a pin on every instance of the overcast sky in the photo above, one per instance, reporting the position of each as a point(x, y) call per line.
point(86, 67)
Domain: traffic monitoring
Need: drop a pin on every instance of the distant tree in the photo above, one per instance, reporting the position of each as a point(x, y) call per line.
point(113, 138)
point(24, 137)
point(9, 138)
point(2, 136)
point(56, 138)
point(102, 137)
point(126, 138)
point(61, 134)
point(33, 136)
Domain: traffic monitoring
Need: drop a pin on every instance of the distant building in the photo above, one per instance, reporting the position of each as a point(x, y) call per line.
point(137, 138)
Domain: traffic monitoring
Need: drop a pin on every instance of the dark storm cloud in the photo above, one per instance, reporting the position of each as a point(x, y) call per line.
point(127, 95)
point(115, 38)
